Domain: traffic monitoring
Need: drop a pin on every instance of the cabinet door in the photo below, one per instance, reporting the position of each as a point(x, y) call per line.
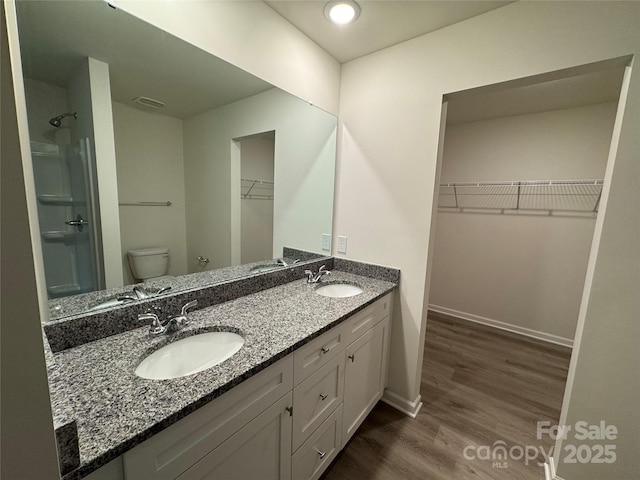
point(178, 447)
point(364, 376)
point(261, 449)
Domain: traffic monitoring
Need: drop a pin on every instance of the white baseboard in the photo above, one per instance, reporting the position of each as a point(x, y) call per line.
point(550, 471)
point(545, 337)
point(402, 404)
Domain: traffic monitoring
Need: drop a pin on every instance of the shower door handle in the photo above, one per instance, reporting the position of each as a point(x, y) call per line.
point(78, 222)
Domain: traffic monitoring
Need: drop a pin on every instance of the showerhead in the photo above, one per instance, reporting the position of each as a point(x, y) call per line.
point(57, 121)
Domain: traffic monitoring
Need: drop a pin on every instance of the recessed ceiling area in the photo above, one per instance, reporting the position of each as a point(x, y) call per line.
point(381, 24)
point(570, 92)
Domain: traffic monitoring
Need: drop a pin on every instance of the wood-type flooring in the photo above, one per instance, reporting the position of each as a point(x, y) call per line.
point(482, 388)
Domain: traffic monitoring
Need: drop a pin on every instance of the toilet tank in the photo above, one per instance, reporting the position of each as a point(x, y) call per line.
point(148, 262)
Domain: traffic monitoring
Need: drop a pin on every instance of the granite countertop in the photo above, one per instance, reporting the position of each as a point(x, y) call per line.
point(115, 410)
point(76, 305)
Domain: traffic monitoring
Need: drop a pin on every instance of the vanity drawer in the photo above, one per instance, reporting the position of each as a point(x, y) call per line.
point(362, 321)
point(310, 357)
point(313, 457)
point(315, 399)
point(176, 448)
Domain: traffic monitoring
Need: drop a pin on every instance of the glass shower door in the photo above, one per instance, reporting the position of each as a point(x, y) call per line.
point(68, 217)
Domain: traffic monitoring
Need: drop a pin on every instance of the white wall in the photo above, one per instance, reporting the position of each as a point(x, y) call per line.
point(251, 36)
point(389, 127)
point(106, 170)
point(522, 270)
point(27, 443)
point(150, 167)
point(256, 214)
point(303, 173)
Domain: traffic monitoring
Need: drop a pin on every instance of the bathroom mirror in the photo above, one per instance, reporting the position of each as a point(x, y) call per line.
point(139, 139)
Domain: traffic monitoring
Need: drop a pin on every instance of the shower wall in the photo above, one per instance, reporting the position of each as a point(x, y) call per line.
point(45, 101)
point(60, 161)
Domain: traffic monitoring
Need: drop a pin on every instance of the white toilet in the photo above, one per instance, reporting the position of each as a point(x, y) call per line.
point(149, 263)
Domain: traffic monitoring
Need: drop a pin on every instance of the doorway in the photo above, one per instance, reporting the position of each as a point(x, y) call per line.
point(521, 178)
point(522, 174)
point(257, 153)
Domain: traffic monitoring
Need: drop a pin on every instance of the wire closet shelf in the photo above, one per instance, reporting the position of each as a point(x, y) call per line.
point(536, 195)
point(256, 189)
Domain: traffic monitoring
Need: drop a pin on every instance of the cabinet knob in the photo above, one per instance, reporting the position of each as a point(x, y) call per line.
point(323, 396)
point(290, 410)
point(320, 454)
point(324, 350)
point(352, 358)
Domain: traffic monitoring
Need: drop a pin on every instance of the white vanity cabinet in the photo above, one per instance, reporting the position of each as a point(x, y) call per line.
point(338, 377)
point(222, 425)
point(365, 373)
point(288, 421)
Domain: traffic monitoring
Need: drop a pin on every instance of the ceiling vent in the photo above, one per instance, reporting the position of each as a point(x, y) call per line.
point(147, 102)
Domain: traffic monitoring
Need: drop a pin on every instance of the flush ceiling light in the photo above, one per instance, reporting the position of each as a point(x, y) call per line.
point(342, 12)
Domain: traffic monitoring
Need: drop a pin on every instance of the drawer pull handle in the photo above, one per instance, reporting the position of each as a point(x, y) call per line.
point(321, 454)
point(290, 410)
point(352, 358)
point(323, 396)
point(324, 350)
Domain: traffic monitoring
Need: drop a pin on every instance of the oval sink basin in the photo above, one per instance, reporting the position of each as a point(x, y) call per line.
point(190, 355)
point(338, 290)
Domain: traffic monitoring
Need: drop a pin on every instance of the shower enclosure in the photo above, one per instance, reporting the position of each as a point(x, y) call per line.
point(69, 221)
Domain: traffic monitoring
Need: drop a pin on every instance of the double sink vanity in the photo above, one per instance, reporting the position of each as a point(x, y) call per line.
point(268, 376)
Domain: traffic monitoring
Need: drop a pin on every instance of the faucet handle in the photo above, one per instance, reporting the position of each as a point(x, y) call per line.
point(187, 306)
point(149, 315)
point(156, 327)
point(181, 320)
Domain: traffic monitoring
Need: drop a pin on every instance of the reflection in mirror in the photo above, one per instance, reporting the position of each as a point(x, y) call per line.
point(154, 160)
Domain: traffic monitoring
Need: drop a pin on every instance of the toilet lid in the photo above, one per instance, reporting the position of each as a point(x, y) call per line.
point(139, 252)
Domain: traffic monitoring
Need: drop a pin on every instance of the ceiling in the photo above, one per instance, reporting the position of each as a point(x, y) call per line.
point(506, 100)
point(382, 23)
point(145, 61)
point(56, 37)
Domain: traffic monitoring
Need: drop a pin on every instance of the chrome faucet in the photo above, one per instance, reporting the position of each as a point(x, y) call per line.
point(316, 277)
point(175, 323)
point(142, 292)
point(282, 263)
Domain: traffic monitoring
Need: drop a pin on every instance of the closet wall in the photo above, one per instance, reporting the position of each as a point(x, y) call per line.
point(256, 190)
point(523, 271)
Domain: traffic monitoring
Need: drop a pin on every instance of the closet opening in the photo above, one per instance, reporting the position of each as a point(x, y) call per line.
point(255, 155)
point(522, 178)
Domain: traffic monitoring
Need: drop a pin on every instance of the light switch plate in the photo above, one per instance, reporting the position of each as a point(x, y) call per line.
point(326, 242)
point(342, 244)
